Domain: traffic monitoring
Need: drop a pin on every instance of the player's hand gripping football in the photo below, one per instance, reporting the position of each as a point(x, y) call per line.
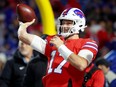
point(25, 25)
point(56, 41)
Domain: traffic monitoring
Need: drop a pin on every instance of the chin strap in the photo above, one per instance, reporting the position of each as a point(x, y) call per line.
point(71, 35)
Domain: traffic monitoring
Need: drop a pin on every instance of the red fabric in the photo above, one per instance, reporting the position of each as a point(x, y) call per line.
point(36, 27)
point(57, 7)
point(97, 79)
point(13, 4)
point(60, 71)
point(73, 3)
point(103, 38)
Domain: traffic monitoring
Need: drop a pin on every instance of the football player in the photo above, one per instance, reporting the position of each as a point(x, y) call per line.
point(68, 55)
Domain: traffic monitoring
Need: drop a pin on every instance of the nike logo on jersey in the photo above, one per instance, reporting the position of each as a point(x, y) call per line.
point(21, 68)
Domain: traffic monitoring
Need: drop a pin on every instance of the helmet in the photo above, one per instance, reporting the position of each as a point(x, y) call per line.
point(74, 14)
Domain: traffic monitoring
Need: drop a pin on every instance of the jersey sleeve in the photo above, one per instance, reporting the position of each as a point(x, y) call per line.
point(88, 50)
point(91, 46)
point(48, 47)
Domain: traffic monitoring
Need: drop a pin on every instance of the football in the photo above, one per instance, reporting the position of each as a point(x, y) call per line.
point(25, 13)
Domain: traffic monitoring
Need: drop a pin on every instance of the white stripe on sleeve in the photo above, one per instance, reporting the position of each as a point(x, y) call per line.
point(89, 46)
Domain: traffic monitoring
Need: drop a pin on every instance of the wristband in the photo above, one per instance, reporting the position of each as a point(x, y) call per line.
point(64, 51)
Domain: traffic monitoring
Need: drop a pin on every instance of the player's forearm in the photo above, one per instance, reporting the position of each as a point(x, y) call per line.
point(77, 61)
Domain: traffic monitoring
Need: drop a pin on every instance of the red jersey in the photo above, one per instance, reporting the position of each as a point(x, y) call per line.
point(59, 70)
point(97, 79)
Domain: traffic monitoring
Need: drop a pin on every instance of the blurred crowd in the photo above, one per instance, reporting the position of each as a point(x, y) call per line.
point(101, 26)
point(100, 14)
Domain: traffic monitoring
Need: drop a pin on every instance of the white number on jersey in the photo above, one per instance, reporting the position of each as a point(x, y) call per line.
point(58, 69)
